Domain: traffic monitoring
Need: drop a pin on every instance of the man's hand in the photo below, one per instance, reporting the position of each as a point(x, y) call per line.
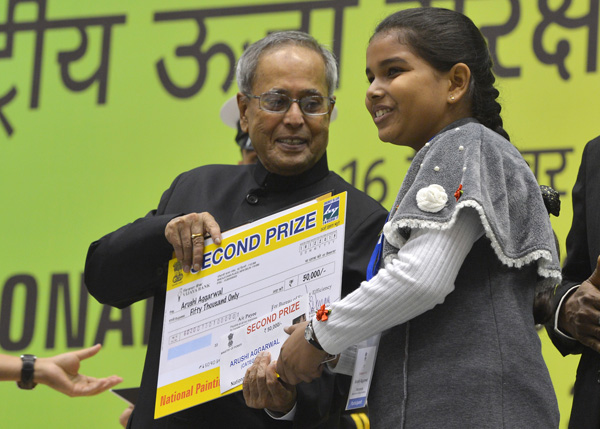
point(298, 360)
point(262, 388)
point(61, 372)
point(186, 235)
point(580, 313)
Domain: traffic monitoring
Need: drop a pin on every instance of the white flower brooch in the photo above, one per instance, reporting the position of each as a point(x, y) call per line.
point(432, 199)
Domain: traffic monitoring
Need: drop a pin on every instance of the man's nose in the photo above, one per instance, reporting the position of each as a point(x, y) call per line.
point(294, 116)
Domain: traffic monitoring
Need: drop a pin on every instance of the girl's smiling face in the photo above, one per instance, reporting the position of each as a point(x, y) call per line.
point(409, 100)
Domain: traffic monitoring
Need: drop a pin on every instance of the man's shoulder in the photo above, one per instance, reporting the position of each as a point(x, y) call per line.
point(592, 148)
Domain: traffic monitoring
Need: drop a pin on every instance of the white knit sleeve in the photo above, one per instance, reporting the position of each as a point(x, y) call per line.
point(416, 281)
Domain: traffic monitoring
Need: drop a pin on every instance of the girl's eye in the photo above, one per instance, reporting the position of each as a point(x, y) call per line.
point(392, 71)
point(370, 79)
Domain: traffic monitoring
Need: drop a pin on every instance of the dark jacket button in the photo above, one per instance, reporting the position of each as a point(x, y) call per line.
point(252, 199)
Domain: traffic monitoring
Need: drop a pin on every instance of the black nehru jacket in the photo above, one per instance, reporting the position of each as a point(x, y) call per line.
point(130, 264)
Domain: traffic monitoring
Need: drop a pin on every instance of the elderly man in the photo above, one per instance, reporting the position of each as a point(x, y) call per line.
point(286, 83)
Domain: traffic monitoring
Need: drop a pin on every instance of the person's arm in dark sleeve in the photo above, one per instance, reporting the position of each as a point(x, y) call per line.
point(130, 264)
point(576, 268)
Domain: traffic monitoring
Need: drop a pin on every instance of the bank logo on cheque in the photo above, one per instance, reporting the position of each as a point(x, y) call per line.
point(331, 210)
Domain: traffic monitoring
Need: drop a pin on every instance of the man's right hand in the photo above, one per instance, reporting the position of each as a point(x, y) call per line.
point(262, 388)
point(186, 235)
point(580, 313)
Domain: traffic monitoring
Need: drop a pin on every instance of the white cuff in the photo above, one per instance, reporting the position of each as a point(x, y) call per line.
point(286, 417)
point(346, 362)
point(556, 330)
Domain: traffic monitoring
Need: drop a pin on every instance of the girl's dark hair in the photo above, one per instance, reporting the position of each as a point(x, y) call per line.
point(444, 38)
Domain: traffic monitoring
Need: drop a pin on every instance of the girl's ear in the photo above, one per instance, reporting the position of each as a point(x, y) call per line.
point(242, 102)
point(459, 78)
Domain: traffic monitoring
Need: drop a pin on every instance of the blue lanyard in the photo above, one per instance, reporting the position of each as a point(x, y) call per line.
point(375, 260)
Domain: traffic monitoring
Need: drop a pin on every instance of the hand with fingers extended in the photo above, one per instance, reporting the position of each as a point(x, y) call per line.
point(61, 372)
point(580, 314)
point(299, 361)
point(186, 235)
point(262, 388)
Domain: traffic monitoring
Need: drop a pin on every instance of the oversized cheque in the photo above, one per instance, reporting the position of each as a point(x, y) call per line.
point(258, 269)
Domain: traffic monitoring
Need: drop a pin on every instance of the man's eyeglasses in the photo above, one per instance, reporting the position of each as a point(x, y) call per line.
point(312, 105)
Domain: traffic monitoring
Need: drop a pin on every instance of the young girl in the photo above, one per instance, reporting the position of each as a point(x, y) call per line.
point(467, 242)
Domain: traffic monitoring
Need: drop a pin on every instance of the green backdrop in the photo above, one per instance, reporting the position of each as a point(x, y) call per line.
point(103, 103)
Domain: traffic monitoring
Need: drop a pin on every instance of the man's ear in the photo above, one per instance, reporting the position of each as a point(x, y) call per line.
point(331, 113)
point(242, 102)
point(459, 79)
